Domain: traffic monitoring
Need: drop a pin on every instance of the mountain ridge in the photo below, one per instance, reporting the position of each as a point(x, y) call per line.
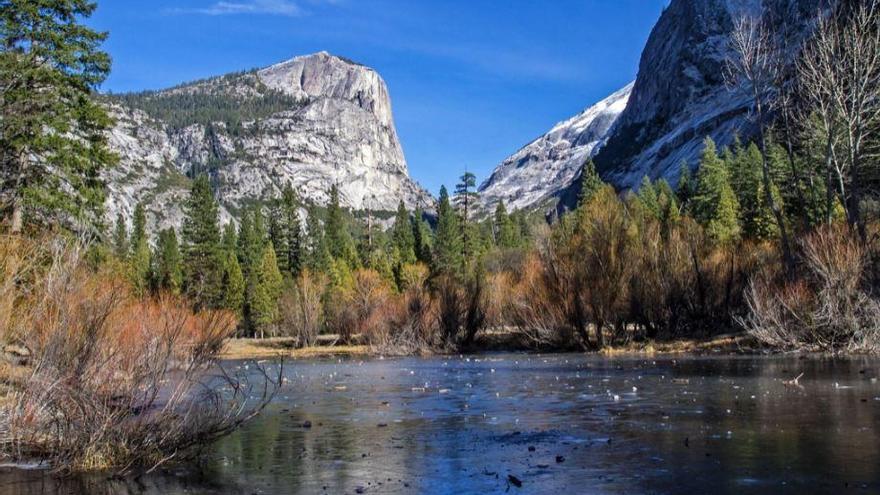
point(311, 121)
point(549, 163)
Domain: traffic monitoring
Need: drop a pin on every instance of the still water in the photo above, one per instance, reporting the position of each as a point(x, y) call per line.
point(555, 424)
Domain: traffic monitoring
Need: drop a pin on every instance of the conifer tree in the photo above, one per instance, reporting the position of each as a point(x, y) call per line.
point(232, 295)
point(521, 221)
point(120, 238)
point(278, 234)
point(290, 211)
point(233, 283)
point(745, 164)
point(648, 198)
point(685, 188)
point(506, 231)
point(251, 240)
point(53, 145)
point(714, 204)
point(263, 292)
point(139, 258)
point(339, 241)
point(591, 183)
point(448, 248)
point(670, 213)
point(167, 271)
point(402, 236)
point(422, 237)
point(229, 241)
point(466, 198)
point(466, 195)
point(201, 253)
point(318, 255)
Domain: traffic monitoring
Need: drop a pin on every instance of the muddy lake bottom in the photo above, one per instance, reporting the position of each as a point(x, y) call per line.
point(538, 424)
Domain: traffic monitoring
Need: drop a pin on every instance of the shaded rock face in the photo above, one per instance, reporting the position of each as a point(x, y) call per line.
point(680, 95)
point(547, 165)
point(340, 130)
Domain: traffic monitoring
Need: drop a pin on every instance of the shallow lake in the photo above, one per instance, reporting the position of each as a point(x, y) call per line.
point(564, 423)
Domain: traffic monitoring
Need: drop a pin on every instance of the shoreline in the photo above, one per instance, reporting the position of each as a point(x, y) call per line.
point(285, 347)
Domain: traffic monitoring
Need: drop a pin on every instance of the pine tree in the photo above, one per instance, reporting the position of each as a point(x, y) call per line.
point(139, 258)
point(466, 197)
point(138, 225)
point(53, 145)
point(167, 271)
point(402, 236)
point(229, 241)
point(263, 291)
point(278, 234)
point(201, 238)
point(318, 255)
point(251, 241)
point(295, 245)
point(232, 294)
point(339, 241)
point(648, 198)
point(685, 188)
point(422, 237)
point(714, 203)
point(448, 242)
point(670, 213)
point(591, 183)
point(120, 238)
point(466, 194)
point(233, 283)
point(756, 215)
point(506, 231)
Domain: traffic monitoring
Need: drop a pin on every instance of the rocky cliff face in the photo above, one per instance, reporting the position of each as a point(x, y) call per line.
point(547, 165)
point(680, 95)
point(311, 121)
point(655, 125)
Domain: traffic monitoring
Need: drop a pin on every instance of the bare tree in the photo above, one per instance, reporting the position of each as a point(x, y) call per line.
point(818, 80)
point(857, 94)
point(840, 73)
point(753, 68)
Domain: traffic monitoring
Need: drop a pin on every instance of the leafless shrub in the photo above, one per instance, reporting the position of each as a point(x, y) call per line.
point(410, 318)
point(829, 307)
point(533, 311)
point(117, 382)
point(302, 309)
point(461, 310)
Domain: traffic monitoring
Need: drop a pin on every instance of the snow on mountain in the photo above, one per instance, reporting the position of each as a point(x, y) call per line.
point(311, 121)
point(548, 164)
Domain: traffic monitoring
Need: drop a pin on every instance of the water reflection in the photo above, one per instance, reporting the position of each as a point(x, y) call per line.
point(557, 423)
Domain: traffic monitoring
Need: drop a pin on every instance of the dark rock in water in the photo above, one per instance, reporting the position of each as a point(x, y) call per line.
point(514, 481)
point(382, 425)
point(560, 459)
point(360, 489)
point(307, 424)
point(531, 448)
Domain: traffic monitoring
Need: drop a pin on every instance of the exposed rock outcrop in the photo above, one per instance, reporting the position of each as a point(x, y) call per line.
point(311, 121)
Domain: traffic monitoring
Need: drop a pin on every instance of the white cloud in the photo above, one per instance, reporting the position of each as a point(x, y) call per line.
point(270, 7)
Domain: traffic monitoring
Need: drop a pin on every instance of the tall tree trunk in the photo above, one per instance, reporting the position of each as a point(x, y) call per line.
point(829, 188)
point(768, 190)
point(17, 221)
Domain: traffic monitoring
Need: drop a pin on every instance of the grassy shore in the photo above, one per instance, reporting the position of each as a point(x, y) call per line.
point(286, 348)
point(496, 341)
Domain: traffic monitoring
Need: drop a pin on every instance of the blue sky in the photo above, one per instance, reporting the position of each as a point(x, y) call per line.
point(470, 81)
